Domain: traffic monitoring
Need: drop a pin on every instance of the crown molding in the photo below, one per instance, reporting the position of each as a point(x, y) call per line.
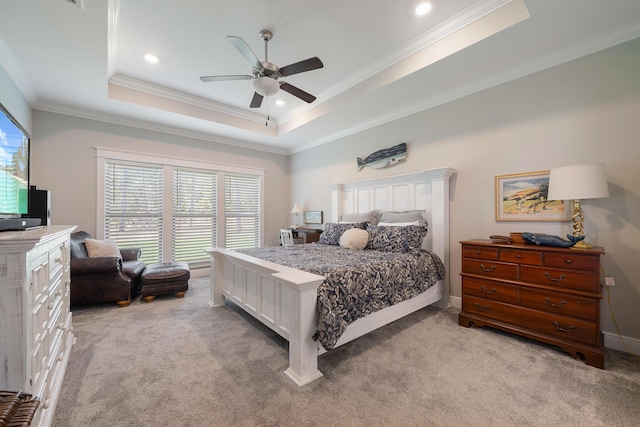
point(155, 127)
point(466, 17)
point(558, 57)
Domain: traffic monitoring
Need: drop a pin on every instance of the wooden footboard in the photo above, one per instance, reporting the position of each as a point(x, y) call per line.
point(282, 298)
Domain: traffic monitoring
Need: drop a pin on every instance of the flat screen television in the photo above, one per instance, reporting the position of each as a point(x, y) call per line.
point(14, 167)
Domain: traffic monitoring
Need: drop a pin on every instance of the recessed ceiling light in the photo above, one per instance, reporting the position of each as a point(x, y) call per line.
point(151, 58)
point(423, 8)
point(280, 102)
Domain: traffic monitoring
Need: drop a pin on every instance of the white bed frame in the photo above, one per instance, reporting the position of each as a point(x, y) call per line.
point(284, 298)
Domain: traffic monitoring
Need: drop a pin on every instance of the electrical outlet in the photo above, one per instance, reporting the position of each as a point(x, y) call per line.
point(609, 281)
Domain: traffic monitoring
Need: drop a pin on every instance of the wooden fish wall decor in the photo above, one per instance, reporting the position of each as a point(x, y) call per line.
point(384, 158)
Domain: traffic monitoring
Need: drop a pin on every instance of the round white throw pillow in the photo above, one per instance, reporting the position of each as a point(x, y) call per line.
point(354, 238)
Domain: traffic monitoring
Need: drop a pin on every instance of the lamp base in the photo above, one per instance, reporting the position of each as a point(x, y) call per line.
point(582, 245)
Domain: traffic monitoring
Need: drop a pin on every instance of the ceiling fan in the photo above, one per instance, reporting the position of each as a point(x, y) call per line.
point(266, 75)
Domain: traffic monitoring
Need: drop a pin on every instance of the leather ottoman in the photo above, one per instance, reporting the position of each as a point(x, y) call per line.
point(165, 278)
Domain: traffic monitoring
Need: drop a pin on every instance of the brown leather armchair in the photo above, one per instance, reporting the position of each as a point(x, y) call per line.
point(97, 280)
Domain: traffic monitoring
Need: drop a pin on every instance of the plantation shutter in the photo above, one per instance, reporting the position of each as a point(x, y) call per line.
point(133, 207)
point(194, 214)
point(242, 198)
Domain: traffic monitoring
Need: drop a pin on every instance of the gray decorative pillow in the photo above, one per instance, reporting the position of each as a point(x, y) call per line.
point(333, 231)
point(396, 239)
point(371, 217)
point(406, 216)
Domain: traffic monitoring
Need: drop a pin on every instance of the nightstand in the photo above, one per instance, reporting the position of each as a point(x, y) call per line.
point(306, 235)
point(545, 293)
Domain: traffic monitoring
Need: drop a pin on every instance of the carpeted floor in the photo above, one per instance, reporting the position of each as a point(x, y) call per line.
point(178, 362)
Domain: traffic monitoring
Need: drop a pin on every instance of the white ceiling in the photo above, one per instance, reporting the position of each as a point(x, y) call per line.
point(381, 61)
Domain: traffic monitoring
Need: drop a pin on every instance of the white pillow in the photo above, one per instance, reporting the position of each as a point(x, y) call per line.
point(96, 248)
point(399, 224)
point(354, 238)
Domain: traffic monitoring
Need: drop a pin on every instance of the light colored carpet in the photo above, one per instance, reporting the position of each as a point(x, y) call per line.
point(178, 362)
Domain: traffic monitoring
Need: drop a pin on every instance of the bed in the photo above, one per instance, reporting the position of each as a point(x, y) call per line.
point(285, 298)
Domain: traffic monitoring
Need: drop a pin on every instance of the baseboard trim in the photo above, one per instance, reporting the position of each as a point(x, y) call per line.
point(455, 302)
point(617, 342)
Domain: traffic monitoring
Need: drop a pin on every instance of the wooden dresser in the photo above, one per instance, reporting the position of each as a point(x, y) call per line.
point(545, 293)
point(35, 320)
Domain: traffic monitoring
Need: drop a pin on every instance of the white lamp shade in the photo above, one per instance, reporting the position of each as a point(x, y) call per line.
point(266, 86)
point(296, 209)
point(578, 182)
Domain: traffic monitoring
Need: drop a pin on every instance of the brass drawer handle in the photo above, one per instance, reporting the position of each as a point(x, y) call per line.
point(558, 327)
point(484, 291)
point(488, 270)
point(562, 276)
point(563, 302)
point(485, 308)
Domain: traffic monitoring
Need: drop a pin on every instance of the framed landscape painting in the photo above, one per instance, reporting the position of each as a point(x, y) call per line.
point(523, 197)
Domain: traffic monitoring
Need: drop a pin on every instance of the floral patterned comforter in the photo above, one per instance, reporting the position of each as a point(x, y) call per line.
point(357, 282)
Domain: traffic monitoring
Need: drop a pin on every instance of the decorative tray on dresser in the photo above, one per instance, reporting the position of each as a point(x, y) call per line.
point(545, 293)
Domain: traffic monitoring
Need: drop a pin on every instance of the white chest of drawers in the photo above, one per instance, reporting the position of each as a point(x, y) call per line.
point(35, 320)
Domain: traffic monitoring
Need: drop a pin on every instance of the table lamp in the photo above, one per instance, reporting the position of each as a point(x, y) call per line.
point(576, 183)
point(296, 210)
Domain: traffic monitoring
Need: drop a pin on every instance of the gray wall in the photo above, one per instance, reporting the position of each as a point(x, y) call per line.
point(585, 111)
point(63, 160)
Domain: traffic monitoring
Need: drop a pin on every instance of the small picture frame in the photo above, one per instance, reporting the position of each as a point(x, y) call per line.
point(523, 197)
point(312, 217)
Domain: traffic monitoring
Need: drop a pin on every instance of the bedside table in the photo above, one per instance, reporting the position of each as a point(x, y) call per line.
point(306, 235)
point(545, 293)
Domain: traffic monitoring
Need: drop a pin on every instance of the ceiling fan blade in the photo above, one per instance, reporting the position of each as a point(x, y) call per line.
point(256, 102)
point(302, 66)
point(246, 51)
point(222, 78)
point(306, 97)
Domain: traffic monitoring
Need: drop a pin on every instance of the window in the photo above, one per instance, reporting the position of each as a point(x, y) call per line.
point(194, 213)
point(242, 211)
point(133, 207)
point(173, 209)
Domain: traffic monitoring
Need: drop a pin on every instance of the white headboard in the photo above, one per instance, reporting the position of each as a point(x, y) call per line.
point(427, 190)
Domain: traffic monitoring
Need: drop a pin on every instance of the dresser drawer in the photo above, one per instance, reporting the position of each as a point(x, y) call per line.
point(549, 324)
point(497, 270)
point(481, 252)
point(521, 256)
point(490, 290)
point(556, 302)
point(572, 279)
point(572, 261)
point(56, 260)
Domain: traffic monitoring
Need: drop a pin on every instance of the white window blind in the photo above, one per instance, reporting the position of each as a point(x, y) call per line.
point(194, 213)
point(242, 202)
point(133, 203)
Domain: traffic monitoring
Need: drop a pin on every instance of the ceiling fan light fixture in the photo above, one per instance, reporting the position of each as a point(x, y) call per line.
point(266, 86)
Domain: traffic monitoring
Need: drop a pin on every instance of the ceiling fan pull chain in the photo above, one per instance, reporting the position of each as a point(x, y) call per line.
point(267, 122)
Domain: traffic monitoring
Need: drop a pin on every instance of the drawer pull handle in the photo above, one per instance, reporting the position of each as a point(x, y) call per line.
point(484, 291)
point(477, 252)
point(563, 302)
point(560, 328)
point(562, 276)
point(519, 256)
point(485, 308)
point(568, 261)
point(488, 270)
